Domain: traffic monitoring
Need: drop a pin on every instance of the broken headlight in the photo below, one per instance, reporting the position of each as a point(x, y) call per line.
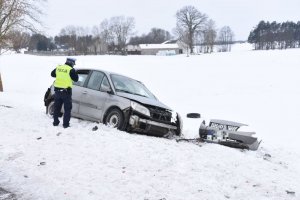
point(140, 108)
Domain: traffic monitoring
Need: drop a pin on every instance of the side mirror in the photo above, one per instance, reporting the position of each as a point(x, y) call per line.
point(193, 115)
point(110, 92)
point(106, 89)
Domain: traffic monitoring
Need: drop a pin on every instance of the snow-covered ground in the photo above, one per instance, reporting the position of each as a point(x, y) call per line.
point(260, 88)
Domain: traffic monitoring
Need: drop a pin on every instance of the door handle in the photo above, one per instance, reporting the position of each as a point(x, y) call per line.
point(84, 92)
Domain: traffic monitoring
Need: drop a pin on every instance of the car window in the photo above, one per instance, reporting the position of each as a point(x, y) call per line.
point(128, 85)
point(105, 85)
point(82, 75)
point(95, 80)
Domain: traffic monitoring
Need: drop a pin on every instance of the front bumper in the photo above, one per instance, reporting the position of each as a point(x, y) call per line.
point(149, 126)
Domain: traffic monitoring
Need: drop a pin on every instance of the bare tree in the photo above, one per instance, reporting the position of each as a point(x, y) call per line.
point(102, 37)
point(226, 38)
point(19, 40)
point(18, 14)
point(122, 28)
point(84, 40)
point(209, 36)
point(97, 40)
point(190, 21)
point(106, 34)
point(183, 38)
point(155, 36)
point(70, 39)
point(158, 35)
point(105, 31)
point(1, 85)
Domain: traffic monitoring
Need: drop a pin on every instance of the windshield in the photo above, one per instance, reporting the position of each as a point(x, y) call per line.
point(131, 86)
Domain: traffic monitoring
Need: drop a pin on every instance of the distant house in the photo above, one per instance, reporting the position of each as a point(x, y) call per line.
point(170, 47)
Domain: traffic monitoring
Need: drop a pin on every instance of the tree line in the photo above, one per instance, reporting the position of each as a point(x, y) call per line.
point(275, 35)
point(17, 15)
point(113, 34)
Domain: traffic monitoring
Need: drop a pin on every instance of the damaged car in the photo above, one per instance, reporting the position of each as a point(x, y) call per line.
point(119, 102)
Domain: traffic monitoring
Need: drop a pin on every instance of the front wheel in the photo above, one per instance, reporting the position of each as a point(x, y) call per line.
point(115, 118)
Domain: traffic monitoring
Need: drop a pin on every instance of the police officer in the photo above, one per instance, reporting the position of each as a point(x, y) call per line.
point(65, 75)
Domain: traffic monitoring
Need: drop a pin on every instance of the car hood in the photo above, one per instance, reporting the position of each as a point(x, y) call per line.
point(143, 100)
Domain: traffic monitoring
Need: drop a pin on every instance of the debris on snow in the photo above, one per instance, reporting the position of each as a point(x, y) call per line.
point(5, 106)
point(267, 157)
point(42, 163)
point(290, 192)
point(58, 134)
point(95, 128)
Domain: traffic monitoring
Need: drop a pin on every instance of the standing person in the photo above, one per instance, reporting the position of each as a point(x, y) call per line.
point(65, 75)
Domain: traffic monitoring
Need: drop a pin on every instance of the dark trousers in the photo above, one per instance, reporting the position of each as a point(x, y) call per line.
point(62, 97)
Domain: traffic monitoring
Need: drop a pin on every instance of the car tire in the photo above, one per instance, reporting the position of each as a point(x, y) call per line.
point(50, 109)
point(115, 118)
point(193, 115)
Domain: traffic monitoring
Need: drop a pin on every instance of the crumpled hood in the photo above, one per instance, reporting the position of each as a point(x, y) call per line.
point(143, 100)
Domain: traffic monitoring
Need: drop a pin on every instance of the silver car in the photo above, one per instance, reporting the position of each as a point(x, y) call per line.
point(119, 102)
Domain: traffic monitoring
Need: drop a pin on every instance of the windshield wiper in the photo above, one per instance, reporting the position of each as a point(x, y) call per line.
point(126, 91)
point(140, 95)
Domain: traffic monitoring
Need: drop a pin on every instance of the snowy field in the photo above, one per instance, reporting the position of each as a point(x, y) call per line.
point(259, 88)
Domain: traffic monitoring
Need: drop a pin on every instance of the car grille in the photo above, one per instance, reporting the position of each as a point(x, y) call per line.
point(160, 114)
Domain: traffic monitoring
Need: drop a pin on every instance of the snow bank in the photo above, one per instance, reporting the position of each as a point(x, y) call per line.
point(260, 88)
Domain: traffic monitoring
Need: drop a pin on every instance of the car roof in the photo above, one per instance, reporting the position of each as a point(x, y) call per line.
point(106, 72)
point(95, 69)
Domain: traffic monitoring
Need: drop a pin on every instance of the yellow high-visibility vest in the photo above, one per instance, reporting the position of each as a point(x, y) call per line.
point(63, 79)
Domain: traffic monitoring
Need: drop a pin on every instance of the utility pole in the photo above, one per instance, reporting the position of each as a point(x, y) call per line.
point(1, 86)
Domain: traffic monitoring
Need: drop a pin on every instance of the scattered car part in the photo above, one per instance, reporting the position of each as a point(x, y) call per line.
point(193, 115)
point(226, 133)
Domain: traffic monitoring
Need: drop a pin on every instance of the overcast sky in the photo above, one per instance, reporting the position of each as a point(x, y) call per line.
point(240, 15)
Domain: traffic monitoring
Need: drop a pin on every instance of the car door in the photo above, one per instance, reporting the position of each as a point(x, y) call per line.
point(93, 99)
point(77, 90)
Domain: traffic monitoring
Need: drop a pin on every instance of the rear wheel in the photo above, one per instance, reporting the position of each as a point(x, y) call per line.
point(115, 118)
point(50, 109)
